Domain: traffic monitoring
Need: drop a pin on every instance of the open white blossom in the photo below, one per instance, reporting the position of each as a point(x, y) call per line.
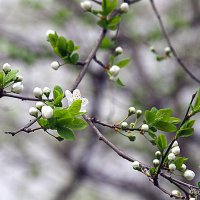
point(76, 95)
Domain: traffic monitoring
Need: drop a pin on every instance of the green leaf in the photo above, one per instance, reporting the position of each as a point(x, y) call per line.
point(43, 123)
point(53, 39)
point(162, 142)
point(188, 124)
point(70, 46)
point(62, 117)
point(186, 132)
point(75, 107)
point(123, 63)
point(61, 46)
point(164, 114)
point(119, 82)
point(107, 43)
point(10, 76)
point(113, 22)
point(152, 134)
point(77, 124)
point(197, 102)
point(58, 95)
point(150, 117)
point(132, 138)
point(179, 161)
point(108, 6)
point(66, 133)
point(152, 171)
point(103, 23)
point(74, 58)
point(198, 184)
point(165, 126)
point(1, 80)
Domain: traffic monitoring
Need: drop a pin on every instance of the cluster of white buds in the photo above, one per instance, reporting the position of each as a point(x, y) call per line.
point(38, 92)
point(124, 7)
point(55, 65)
point(114, 72)
point(86, 5)
point(46, 111)
point(119, 50)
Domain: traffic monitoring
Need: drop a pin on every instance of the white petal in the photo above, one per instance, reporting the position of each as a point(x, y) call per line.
point(82, 109)
point(84, 101)
point(76, 94)
point(68, 94)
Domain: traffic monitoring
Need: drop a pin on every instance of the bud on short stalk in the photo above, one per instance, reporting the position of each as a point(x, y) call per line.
point(131, 111)
point(171, 157)
point(144, 127)
point(124, 8)
point(167, 51)
point(119, 50)
point(17, 88)
point(55, 65)
point(158, 154)
point(152, 49)
point(33, 111)
point(175, 143)
point(46, 91)
point(47, 112)
point(138, 113)
point(18, 78)
point(6, 68)
point(176, 150)
point(39, 105)
point(183, 167)
point(86, 5)
point(37, 92)
point(124, 125)
point(156, 162)
point(114, 70)
point(172, 167)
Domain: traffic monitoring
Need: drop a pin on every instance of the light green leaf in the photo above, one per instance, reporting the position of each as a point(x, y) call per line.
point(77, 124)
point(58, 95)
point(165, 126)
point(74, 58)
point(75, 107)
point(179, 161)
point(123, 63)
point(1, 80)
point(185, 132)
point(61, 46)
point(162, 142)
point(119, 82)
point(70, 46)
point(10, 76)
point(66, 133)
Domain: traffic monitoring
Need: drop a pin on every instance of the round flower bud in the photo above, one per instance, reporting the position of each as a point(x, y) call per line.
point(171, 156)
point(167, 50)
point(124, 8)
point(86, 5)
point(192, 198)
point(124, 125)
point(18, 78)
point(55, 65)
point(39, 105)
point(37, 92)
point(6, 67)
point(136, 165)
point(33, 111)
point(175, 143)
point(189, 174)
point(50, 32)
point(138, 113)
point(156, 162)
point(176, 193)
point(114, 70)
point(176, 150)
point(47, 112)
point(144, 127)
point(183, 167)
point(119, 50)
point(152, 49)
point(46, 91)
point(17, 88)
point(158, 154)
point(172, 167)
point(131, 111)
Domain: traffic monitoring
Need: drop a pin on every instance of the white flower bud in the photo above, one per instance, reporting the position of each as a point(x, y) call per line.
point(39, 105)
point(47, 112)
point(136, 165)
point(152, 49)
point(33, 111)
point(6, 67)
point(167, 50)
point(176, 193)
point(175, 143)
point(138, 113)
point(176, 150)
point(158, 154)
point(124, 7)
point(18, 78)
point(192, 198)
point(50, 32)
point(156, 162)
point(172, 167)
point(17, 88)
point(119, 50)
point(46, 91)
point(37, 92)
point(55, 65)
point(124, 125)
point(131, 110)
point(183, 167)
point(114, 70)
point(86, 5)
point(171, 156)
point(189, 174)
point(144, 127)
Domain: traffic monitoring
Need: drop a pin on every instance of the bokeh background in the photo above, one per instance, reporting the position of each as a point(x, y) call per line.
point(35, 166)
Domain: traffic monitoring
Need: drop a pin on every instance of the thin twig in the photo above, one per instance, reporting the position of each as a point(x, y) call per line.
point(180, 62)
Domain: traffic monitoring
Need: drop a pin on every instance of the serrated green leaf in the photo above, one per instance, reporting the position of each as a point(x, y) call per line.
point(75, 107)
point(66, 133)
point(10, 76)
point(1, 80)
point(123, 63)
point(61, 46)
point(70, 46)
point(165, 126)
point(77, 124)
point(162, 142)
point(74, 58)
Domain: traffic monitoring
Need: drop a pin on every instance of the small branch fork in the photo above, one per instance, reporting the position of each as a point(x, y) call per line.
point(180, 62)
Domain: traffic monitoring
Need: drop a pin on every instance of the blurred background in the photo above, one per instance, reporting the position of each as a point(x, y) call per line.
point(35, 166)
